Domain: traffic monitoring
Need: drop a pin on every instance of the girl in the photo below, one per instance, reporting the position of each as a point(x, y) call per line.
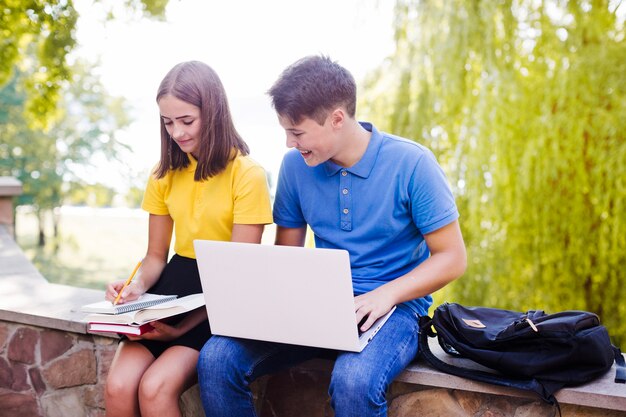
point(204, 187)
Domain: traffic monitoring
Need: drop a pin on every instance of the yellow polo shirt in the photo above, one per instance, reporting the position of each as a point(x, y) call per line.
point(208, 209)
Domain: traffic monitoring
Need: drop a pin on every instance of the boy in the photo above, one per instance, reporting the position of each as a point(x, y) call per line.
point(382, 198)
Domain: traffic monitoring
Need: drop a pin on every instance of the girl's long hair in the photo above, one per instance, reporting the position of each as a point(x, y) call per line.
point(197, 83)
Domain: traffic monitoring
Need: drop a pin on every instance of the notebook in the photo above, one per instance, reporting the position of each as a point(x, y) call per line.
point(158, 311)
point(283, 294)
point(107, 307)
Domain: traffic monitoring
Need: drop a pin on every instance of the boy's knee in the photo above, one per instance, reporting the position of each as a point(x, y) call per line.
point(352, 387)
point(214, 359)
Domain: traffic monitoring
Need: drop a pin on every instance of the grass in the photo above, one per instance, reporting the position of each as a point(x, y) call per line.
point(94, 246)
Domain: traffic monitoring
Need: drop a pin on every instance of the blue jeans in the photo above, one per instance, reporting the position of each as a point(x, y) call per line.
point(359, 381)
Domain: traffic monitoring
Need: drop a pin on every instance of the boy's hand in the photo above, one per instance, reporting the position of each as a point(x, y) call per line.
point(372, 305)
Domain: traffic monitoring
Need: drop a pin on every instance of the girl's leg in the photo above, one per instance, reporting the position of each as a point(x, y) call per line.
point(165, 381)
point(359, 381)
point(128, 366)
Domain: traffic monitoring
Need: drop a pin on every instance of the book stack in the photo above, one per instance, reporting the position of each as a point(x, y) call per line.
point(134, 317)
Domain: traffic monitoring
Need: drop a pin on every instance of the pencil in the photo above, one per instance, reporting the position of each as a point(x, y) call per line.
point(128, 281)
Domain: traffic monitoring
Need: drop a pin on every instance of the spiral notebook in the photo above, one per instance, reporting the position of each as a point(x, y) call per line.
point(145, 315)
point(146, 300)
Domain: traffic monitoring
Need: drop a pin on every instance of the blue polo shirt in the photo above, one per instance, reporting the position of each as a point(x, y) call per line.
point(378, 210)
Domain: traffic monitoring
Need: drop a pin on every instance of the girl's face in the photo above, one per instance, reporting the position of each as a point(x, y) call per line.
point(183, 123)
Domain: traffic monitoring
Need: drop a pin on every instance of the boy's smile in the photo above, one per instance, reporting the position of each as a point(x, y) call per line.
point(334, 140)
point(314, 141)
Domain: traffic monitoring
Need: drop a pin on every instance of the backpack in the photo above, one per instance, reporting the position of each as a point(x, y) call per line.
point(532, 351)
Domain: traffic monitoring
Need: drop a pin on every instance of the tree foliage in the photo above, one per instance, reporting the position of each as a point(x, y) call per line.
point(54, 114)
point(524, 103)
point(37, 36)
point(46, 160)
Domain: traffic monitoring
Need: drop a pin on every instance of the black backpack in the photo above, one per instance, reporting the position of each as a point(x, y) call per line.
point(532, 351)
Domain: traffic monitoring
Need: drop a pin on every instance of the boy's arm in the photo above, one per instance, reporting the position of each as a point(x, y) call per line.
point(290, 236)
point(447, 262)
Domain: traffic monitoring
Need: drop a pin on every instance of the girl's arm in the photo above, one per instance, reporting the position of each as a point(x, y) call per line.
point(246, 233)
point(159, 236)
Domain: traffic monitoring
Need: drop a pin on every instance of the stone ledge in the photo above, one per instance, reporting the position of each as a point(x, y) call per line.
point(10, 187)
point(601, 393)
point(26, 297)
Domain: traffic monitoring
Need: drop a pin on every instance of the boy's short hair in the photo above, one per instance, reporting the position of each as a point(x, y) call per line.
point(312, 87)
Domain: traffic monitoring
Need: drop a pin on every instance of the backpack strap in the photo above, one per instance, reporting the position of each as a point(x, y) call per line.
point(620, 372)
point(545, 391)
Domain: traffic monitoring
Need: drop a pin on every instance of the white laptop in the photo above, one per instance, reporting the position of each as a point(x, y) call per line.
point(285, 294)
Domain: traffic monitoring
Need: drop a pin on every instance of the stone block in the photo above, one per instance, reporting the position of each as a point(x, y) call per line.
point(36, 380)
point(491, 412)
point(536, 409)
point(63, 403)
point(190, 404)
point(20, 377)
point(94, 395)
point(6, 374)
point(105, 341)
point(470, 402)
point(499, 406)
point(568, 410)
point(401, 388)
point(96, 412)
point(76, 369)
point(14, 405)
point(54, 344)
point(297, 393)
point(4, 335)
point(104, 355)
point(431, 403)
point(22, 345)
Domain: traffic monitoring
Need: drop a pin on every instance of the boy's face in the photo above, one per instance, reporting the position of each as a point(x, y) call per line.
point(316, 143)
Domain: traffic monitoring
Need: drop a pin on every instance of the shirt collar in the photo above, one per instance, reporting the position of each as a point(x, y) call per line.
point(364, 166)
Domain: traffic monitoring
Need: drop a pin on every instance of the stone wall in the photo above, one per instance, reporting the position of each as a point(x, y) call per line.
point(55, 373)
point(52, 373)
point(301, 392)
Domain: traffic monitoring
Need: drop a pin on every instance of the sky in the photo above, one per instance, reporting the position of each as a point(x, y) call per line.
point(247, 42)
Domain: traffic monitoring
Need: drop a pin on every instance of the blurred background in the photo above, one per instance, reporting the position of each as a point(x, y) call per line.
point(523, 103)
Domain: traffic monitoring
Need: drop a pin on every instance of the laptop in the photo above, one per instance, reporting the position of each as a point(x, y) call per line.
point(285, 294)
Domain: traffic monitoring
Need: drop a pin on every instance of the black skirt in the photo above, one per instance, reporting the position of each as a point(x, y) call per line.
point(180, 276)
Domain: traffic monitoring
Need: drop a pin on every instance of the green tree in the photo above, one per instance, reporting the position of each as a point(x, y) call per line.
point(45, 160)
point(524, 103)
point(37, 36)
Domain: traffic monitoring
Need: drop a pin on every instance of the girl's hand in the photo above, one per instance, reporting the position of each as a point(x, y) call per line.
point(133, 291)
point(162, 332)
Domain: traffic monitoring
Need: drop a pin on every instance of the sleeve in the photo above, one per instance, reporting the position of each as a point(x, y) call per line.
point(432, 202)
point(154, 197)
point(251, 197)
point(287, 209)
